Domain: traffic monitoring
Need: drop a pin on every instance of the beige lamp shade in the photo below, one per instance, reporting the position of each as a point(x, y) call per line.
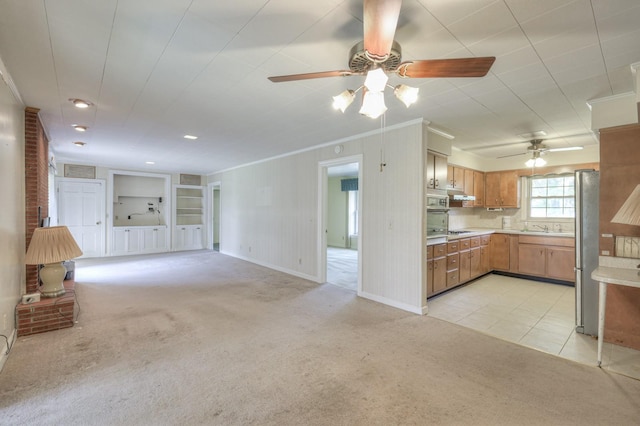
point(629, 213)
point(50, 247)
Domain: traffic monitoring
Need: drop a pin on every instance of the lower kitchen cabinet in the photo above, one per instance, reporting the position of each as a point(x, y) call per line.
point(547, 257)
point(461, 260)
point(436, 268)
point(139, 240)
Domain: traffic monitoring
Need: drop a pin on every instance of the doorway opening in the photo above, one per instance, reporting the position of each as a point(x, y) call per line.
point(341, 217)
point(214, 190)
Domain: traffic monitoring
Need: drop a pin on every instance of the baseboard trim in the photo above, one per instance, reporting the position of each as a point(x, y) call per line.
point(274, 267)
point(4, 347)
point(393, 303)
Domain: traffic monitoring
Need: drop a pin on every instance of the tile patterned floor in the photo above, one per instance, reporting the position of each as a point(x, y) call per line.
point(530, 313)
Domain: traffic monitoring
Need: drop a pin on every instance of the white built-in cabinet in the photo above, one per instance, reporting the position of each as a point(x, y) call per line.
point(189, 206)
point(139, 239)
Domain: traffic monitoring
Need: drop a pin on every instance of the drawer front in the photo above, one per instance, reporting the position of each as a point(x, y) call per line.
point(429, 252)
point(452, 261)
point(465, 244)
point(484, 240)
point(452, 278)
point(475, 242)
point(453, 247)
point(439, 250)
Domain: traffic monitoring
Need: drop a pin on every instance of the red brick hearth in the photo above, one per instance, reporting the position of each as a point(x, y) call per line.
point(48, 314)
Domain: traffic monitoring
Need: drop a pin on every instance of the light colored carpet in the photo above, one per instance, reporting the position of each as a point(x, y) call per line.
point(201, 338)
point(342, 267)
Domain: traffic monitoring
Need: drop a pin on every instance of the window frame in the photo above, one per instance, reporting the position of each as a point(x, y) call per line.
point(528, 198)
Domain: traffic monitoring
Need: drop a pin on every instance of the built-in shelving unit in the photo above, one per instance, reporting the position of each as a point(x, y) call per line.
point(189, 205)
point(189, 215)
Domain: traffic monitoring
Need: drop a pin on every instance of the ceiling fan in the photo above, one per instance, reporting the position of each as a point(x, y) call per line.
point(379, 55)
point(537, 149)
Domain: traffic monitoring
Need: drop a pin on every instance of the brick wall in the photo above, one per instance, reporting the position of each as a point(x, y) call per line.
point(36, 175)
point(47, 314)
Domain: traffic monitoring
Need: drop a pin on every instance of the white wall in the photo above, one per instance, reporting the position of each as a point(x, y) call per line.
point(12, 219)
point(337, 223)
point(270, 213)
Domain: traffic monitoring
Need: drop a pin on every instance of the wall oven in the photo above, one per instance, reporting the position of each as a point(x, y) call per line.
point(437, 215)
point(437, 201)
point(437, 223)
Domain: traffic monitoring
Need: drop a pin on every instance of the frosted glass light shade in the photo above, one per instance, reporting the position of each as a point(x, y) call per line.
point(629, 213)
point(535, 162)
point(406, 94)
point(376, 80)
point(373, 104)
point(343, 100)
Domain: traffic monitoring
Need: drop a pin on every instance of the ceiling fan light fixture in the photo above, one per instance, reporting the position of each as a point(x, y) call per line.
point(373, 104)
point(343, 100)
point(406, 94)
point(536, 161)
point(376, 80)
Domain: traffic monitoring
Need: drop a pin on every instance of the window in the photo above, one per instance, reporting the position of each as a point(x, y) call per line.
point(552, 197)
point(353, 213)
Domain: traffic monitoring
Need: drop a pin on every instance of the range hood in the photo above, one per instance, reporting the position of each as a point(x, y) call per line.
point(460, 196)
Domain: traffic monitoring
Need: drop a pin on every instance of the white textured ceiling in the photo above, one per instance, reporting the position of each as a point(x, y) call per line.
point(157, 70)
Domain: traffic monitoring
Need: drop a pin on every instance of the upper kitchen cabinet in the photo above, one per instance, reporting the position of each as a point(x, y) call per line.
point(455, 177)
point(478, 188)
point(436, 171)
point(502, 189)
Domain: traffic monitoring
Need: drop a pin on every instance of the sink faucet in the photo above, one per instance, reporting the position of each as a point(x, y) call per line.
point(545, 228)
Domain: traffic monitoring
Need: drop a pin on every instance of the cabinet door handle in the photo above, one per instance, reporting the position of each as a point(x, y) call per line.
point(437, 184)
point(431, 182)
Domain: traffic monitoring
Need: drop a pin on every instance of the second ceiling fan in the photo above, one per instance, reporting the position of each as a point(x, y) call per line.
point(378, 55)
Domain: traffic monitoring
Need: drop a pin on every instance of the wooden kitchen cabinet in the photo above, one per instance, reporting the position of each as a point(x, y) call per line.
point(532, 259)
point(466, 259)
point(484, 259)
point(547, 257)
point(465, 266)
point(455, 177)
point(436, 268)
point(502, 189)
point(499, 252)
point(561, 262)
point(478, 188)
point(436, 171)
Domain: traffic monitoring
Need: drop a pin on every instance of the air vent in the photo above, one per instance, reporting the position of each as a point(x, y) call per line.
point(190, 180)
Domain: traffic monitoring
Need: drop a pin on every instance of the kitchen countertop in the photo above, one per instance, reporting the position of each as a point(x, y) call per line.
point(484, 231)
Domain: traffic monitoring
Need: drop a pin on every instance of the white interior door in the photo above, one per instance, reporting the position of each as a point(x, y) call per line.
point(81, 209)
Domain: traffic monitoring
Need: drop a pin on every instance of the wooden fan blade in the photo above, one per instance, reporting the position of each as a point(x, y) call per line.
point(311, 75)
point(444, 68)
point(380, 22)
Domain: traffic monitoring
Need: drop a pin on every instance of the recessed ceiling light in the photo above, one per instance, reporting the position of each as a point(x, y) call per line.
point(79, 128)
point(80, 103)
point(150, 162)
point(193, 138)
point(79, 143)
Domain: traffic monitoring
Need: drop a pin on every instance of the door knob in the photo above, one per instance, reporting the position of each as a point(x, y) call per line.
point(99, 222)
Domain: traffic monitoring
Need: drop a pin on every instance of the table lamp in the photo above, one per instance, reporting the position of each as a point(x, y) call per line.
point(50, 247)
point(629, 213)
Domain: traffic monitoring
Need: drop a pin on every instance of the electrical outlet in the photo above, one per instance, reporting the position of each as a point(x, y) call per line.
point(300, 261)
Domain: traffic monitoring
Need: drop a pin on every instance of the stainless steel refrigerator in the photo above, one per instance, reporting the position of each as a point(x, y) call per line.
point(587, 198)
